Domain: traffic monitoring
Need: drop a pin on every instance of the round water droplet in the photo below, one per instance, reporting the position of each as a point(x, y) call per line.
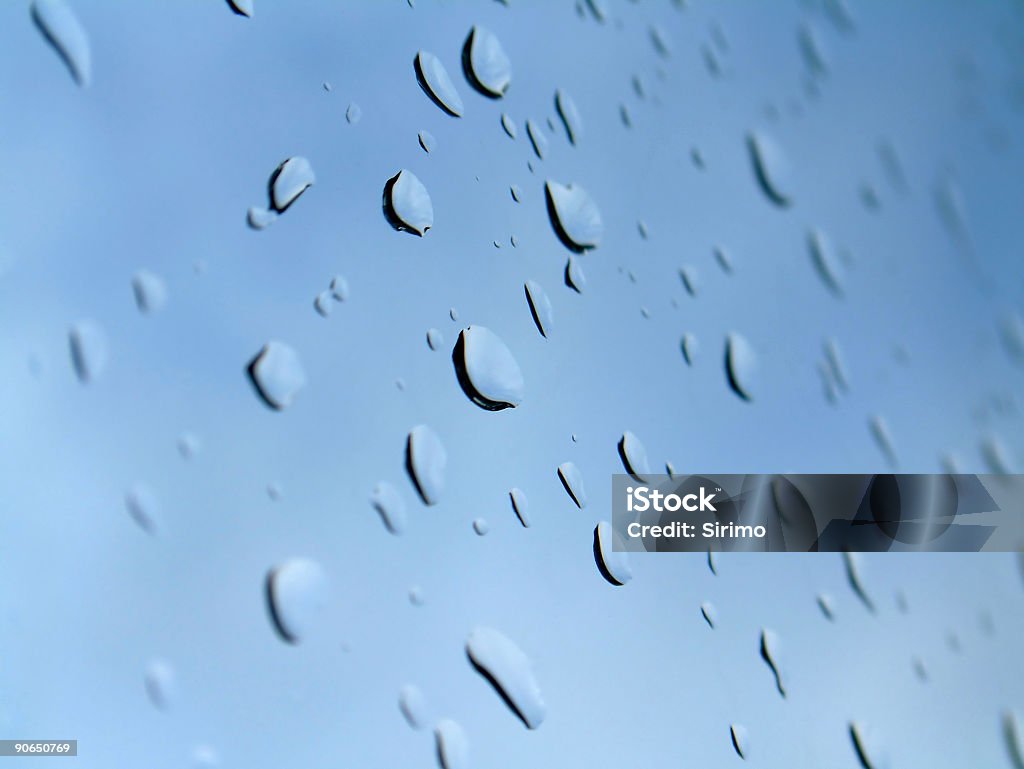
point(407, 205)
point(436, 83)
point(486, 370)
point(485, 63)
point(540, 307)
point(611, 563)
point(289, 180)
point(574, 216)
point(88, 347)
point(771, 169)
point(62, 30)
point(508, 125)
point(413, 706)
point(143, 506)
point(481, 527)
point(339, 288)
point(296, 593)
point(260, 218)
point(425, 461)
point(710, 613)
point(740, 365)
point(570, 116)
point(572, 481)
point(521, 506)
point(537, 139)
point(161, 684)
point(435, 339)
point(242, 7)
point(150, 292)
point(353, 114)
point(427, 141)
point(452, 745)
point(740, 740)
point(634, 456)
point(277, 374)
point(390, 506)
point(509, 671)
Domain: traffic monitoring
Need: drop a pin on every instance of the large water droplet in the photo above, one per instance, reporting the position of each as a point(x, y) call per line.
point(150, 292)
point(572, 480)
point(425, 461)
point(574, 216)
point(144, 508)
point(770, 649)
point(339, 288)
point(521, 506)
point(740, 365)
point(537, 138)
point(996, 455)
point(323, 304)
point(486, 369)
point(296, 593)
point(277, 374)
point(61, 28)
point(570, 116)
point(242, 7)
point(452, 745)
point(161, 684)
point(540, 307)
point(508, 669)
point(613, 564)
point(690, 280)
point(390, 506)
point(740, 740)
point(771, 168)
point(1013, 734)
point(485, 63)
point(825, 262)
point(574, 276)
point(634, 456)
point(413, 705)
point(435, 82)
point(89, 353)
point(289, 180)
point(407, 205)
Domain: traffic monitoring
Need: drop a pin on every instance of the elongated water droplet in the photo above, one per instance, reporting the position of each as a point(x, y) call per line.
point(413, 705)
point(289, 180)
point(277, 374)
point(481, 527)
point(852, 562)
point(61, 28)
point(508, 125)
point(921, 671)
point(713, 562)
point(834, 359)
point(161, 684)
point(407, 205)
point(1011, 333)
point(883, 438)
point(435, 339)
point(771, 168)
point(517, 194)
point(570, 116)
point(996, 455)
point(740, 365)
point(427, 141)
point(824, 601)
point(242, 7)
point(452, 745)
point(323, 304)
point(389, 506)
point(660, 40)
point(891, 165)
point(538, 139)
point(436, 83)
point(453, 314)
point(613, 564)
point(508, 669)
point(296, 593)
point(89, 352)
point(353, 114)
point(540, 307)
point(710, 614)
point(689, 277)
point(150, 292)
point(144, 508)
point(574, 216)
point(486, 369)
point(521, 506)
point(740, 740)
point(634, 456)
point(811, 50)
point(425, 461)
point(824, 260)
point(339, 288)
point(866, 746)
point(689, 347)
point(572, 480)
point(485, 63)
point(770, 648)
point(574, 277)
point(1013, 734)
point(952, 209)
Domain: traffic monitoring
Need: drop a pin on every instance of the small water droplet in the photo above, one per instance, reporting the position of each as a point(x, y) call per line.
point(436, 83)
point(188, 445)
point(598, 10)
point(481, 527)
point(498, 659)
point(713, 562)
point(740, 740)
point(1011, 333)
point(852, 562)
point(413, 706)
point(435, 339)
point(540, 307)
point(339, 288)
point(144, 508)
point(353, 114)
point(641, 228)
point(425, 461)
point(575, 278)
point(453, 314)
point(891, 165)
point(537, 139)
point(242, 7)
point(452, 745)
point(624, 116)
point(834, 360)
point(812, 51)
point(824, 260)
point(150, 292)
point(574, 216)
point(570, 115)
point(660, 40)
point(634, 456)
point(89, 351)
point(740, 365)
point(62, 30)
point(389, 506)
point(920, 670)
point(326, 85)
point(690, 348)
point(205, 757)
point(161, 684)
point(996, 455)
point(521, 506)
point(824, 601)
point(508, 125)
point(710, 613)
point(952, 209)
point(274, 492)
point(324, 303)
point(770, 649)
point(296, 593)
point(407, 205)
point(277, 374)
point(486, 370)
point(613, 564)
point(1013, 734)
point(572, 480)
point(883, 438)
point(289, 180)
point(771, 168)
point(427, 141)
point(517, 194)
point(485, 63)
point(416, 597)
point(697, 158)
point(723, 258)
point(689, 276)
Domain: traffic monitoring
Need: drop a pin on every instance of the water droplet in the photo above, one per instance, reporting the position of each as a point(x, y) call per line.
point(771, 168)
point(353, 114)
point(891, 165)
point(486, 369)
point(517, 194)
point(611, 563)
point(660, 41)
point(160, 684)
point(416, 597)
point(852, 562)
point(574, 216)
point(144, 508)
point(624, 116)
point(824, 260)
point(150, 292)
point(452, 745)
point(1013, 734)
point(436, 84)
point(638, 87)
point(537, 138)
point(690, 347)
point(205, 757)
point(275, 492)
point(389, 506)
point(866, 745)
point(834, 360)
point(575, 278)
point(508, 669)
point(339, 288)
point(407, 205)
point(485, 63)
point(710, 613)
point(508, 125)
point(188, 445)
point(641, 228)
point(1011, 333)
point(260, 218)
point(697, 158)
point(296, 593)
point(435, 339)
point(723, 258)
point(920, 670)
point(598, 10)
point(427, 141)
point(277, 374)
point(521, 505)
point(453, 314)
point(242, 7)
point(62, 30)
point(289, 180)
point(633, 456)
point(540, 307)
point(89, 352)
point(824, 601)
point(413, 705)
point(952, 209)
point(326, 85)
point(997, 456)
point(713, 562)
point(425, 461)
point(883, 438)
point(689, 277)
point(481, 527)
point(812, 51)
point(572, 480)
point(740, 740)
point(570, 116)
point(324, 303)
point(740, 365)
point(770, 649)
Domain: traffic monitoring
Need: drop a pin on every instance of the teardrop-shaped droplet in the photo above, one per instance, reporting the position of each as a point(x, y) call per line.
point(436, 83)
point(613, 564)
point(521, 506)
point(574, 216)
point(407, 204)
point(242, 7)
point(771, 169)
point(435, 339)
point(824, 260)
point(879, 428)
point(485, 63)
point(538, 139)
point(339, 288)
point(740, 365)
point(486, 370)
point(570, 116)
point(427, 141)
point(452, 745)
point(161, 684)
point(289, 180)
point(866, 745)
point(296, 592)
point(413, 705)
point(89, 352)
point(740, 740)
point(852, 563)
point(150, 292)
point(710, 614)
point(61, 28)
point(277, 374)
point(689, 347)
point(144, 508)
point(1013, 735)
point(508, 669)
point(634, 456)
point(481, 526)
point(770, 649)
point(508, 125)
point(574, 276)
point(425, 461)
point(572, 480)
point(390, 506)
point(540, 307)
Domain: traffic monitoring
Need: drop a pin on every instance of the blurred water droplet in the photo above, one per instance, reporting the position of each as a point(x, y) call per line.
point(540, 307)
point(824, 260)
point(883, 438)
point(1011, 333)
point(485, 63)
point(740, 365)
point(574, 216)
point(690, 347)
point(624, 116)
point(427, 141)
point(521, 506)
point(572, 480)
point(770, 650)
point(866, 745)
point(260, 218)
point(296, 593)
point(891, 165)
point(161, 684)
point(710, 613)
point(413, 705)
point(242, 7)
point(274, 492)
point(188, 445)
point(150, 292)
point(481, 527)
point(838, 12)
point(537, 139)
point(277, 374)
point(723, 258)
point(740, 740)
point(570, 116)
point(89, 352)
point(353, 114)
point(339, 288)
point(144, 508)
point(688, 275)
point(771, 168)
point(509, 671)
point(416, 596)
point(389, 506)
point(326, 85)
point(574, 277)
point(852, 562)
point(425, 461)
point(324, 303)
point(289, 180)
point(508, 125)
point(996, 455)
point(1013, 734)
point(205, 757)
point(407, 204)
point(597, 9)
point(633, 456)
point(920, 670)
point(824, 601)
point(62, 30)
point(834, 360)
point(452, 745)
point(952, 209)
point(812, 51)
point(660, 41)
point(486, 370)
point(436, 83)
point(611, 563)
